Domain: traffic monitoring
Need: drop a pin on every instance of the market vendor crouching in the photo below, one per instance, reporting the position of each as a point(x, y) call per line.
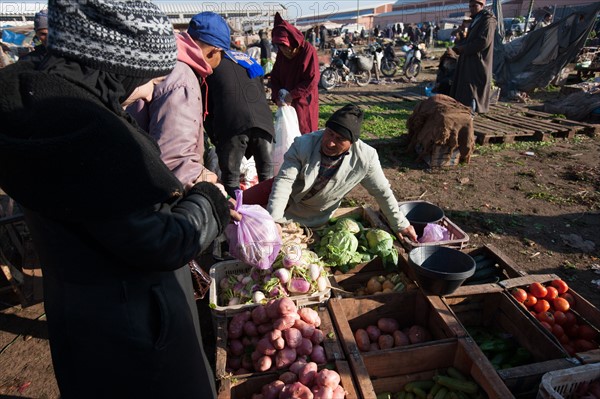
point(321, 168)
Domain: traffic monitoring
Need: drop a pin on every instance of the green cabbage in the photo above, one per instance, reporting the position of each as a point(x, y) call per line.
point(349, 224)
point(379, 240)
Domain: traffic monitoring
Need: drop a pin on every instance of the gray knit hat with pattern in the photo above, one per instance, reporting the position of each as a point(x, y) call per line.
point(127, 37)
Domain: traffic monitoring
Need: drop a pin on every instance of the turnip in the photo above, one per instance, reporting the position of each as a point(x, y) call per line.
point(318, 355)
point(305, 347)
point(314, 271)
point(258, 297)
point(283, 275)
point(306, 375)
point(272, 390)
point(322, 283)
point(246, 280)
point(328, 378)
point(310, 316)
point(236, 348)
point(233, 301)
point(298, 285)
point(292, 259)
point(285, 358)
point(224, 283)
point(293, 337)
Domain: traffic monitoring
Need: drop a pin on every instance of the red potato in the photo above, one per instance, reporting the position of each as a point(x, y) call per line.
point(324, 393)
point(306, 329)
point(256, 355)
point(388, 325)
point(264, 363)
point(272, 390)
point(288, 377)
point(307, 374)
point(283, 323)
point(362, 340)
point(264, 328)
point(373, 346)
point(318, 355)
point(317, 337)
point(235, 329)
point(400, 339)
point(272, 309)
point(247, 362)
point(257, 396)
point(250, 329)
point(296, 391)
point(236, 348)
point(293, 337)
point(286, 306)
point(310, 316)
point(339, 393)
point(417, 334)
point(298, 365)
point(273, 335)
point(234, 362)
point(265, 347)
point(259, 315)
point(385, 341)
point(328, 378)
point(373, 333)
point(279, 343)
point(246, 341)
point(305, 347)
point(284, 358)
point(241, 371)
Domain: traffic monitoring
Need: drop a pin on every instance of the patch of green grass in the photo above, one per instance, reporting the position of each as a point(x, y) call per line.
point(545, 195)
point(520, 146)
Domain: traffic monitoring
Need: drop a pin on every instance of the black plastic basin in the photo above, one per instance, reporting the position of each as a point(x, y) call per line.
point(419, 213)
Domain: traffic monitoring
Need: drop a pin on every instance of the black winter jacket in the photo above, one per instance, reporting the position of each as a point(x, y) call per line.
point(113, 231)
point(236, 103)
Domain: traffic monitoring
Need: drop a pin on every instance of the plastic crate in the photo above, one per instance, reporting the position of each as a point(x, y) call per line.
point(458, 238)
point(226, 268)
point(561, 384)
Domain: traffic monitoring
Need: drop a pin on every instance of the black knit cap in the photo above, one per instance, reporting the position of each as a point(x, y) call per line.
point(347, 121)
point(131, 38)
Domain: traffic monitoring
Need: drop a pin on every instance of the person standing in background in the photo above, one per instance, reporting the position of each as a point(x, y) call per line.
point(473, 79)
point(296, 70)
point(111, 223)
point(40, 25)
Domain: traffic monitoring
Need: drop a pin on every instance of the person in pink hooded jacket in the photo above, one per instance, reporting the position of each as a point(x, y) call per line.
point(296, 70)
point(175, 115)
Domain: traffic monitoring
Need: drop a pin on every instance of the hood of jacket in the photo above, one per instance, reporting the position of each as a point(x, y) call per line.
point(294, 35)
point(66, 155)
point(190, 53)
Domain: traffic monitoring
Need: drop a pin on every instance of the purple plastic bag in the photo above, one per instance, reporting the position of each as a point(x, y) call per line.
point(434, 233)
point(255, 239)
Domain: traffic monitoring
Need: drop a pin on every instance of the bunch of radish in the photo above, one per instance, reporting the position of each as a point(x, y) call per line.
point(304, 381)
point(273, 337)
point(387, 334)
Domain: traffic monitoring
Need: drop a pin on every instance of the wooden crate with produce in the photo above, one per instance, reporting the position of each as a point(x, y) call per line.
point(451, 366)
point(270, 337)
point(565, 316)
point(515, 346)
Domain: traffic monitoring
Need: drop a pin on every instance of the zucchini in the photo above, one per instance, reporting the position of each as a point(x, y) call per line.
point(454, 373)
point(419, 393)
point(454, 384)
point(487, 280)
point(485, 264)
point(384, 395)
point(483, 273)
point(424, 385)
point(434, 390)
point(441, 394)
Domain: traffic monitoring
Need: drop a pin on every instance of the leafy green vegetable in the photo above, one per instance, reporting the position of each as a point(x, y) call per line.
point(349, 224)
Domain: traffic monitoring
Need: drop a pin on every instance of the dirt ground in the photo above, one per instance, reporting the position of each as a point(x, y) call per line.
point(526, 205)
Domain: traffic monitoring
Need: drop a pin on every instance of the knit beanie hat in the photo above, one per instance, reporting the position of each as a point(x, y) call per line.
point(40, 20)
point(347, 121)
point(127, 37)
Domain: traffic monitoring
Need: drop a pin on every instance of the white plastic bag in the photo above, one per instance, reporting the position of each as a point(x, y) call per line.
point(286, 130)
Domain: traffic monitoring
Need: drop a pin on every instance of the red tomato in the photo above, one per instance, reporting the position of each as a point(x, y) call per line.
point(560, 318)
point(564, 339)
point(538, 290)
point(570, 349)
point(552, 293)
point(571, 318)
point(530, 301)
point(546, 325)
point(548, 317)
point(568, 297)
point(572, 331)
point(558, 331)
point(587, 332)
point(583, 345)
point(519, 294)
point(542, 305)
point(561, 304)
point(560, 286)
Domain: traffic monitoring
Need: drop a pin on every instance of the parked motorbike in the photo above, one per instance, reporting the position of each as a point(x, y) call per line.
point(347, 66)
point(410, 64)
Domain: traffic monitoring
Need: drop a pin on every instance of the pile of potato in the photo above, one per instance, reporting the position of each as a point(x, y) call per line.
point(392, 282)
point(387, 334)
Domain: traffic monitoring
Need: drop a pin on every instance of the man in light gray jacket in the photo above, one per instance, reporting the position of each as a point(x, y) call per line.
point(322, 167)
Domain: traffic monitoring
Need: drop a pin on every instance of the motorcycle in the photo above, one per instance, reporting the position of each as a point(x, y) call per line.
point(347, 66)
point(410, 64)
